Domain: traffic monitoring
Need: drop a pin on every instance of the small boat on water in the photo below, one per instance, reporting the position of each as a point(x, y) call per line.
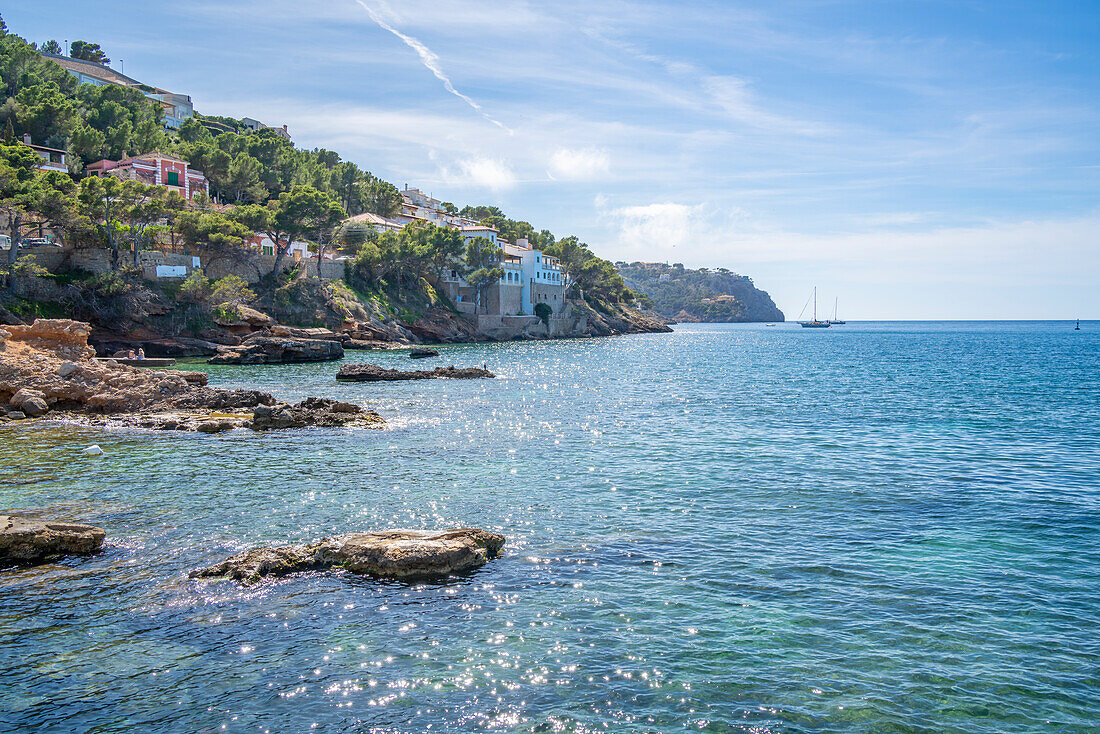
point(1078, 327)
point(769, 324)
point(834, 320)
point(142, 362)
point(815, 324)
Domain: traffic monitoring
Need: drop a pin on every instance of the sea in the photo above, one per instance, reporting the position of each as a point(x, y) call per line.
point(878, 527)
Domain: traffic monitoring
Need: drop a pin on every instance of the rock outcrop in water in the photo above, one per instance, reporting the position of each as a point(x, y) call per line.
point(398, 554)
point(280, 350)
point(374, 373)
point(31, 540)
point(48, 369)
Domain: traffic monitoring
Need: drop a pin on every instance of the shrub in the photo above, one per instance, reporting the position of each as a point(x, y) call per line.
point(228, 291)
point(231, 290)
point(543, 311)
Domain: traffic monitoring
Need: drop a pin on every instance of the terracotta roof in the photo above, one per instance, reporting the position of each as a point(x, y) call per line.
point(372, 218)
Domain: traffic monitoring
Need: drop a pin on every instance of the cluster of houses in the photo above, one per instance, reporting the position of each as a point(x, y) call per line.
point(530, 276)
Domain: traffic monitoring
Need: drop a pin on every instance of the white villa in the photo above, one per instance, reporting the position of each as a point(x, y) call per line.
point(530, 277)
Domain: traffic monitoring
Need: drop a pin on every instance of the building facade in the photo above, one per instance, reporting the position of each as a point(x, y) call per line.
point(155, 169)
point(298, 250)
point(530, 277)
point(53, 159)
point(177, 107)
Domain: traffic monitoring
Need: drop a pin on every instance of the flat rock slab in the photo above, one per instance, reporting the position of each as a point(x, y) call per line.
point(273, 350)
point(374, 373)
point(422, 352)
point(395, 554)
point(33, 540)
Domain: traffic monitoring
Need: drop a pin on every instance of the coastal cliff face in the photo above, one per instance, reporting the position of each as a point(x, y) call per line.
point(706, 295)
point(165, 327)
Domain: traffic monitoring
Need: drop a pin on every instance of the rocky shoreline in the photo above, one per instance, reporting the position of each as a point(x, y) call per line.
point(245, 341)
point(47, 369)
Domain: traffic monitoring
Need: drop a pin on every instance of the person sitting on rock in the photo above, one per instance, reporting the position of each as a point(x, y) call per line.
point(140, 353)
point(131, 355)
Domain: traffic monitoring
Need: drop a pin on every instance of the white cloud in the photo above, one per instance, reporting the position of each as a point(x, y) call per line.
point(480, 173)
point(429, 58)
point(736, 98)
point(654, 230)
point(578, 165)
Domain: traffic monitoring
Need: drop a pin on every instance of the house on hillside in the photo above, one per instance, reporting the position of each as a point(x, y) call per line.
point(256, 126)
point(177, 107)
point(298, 251)
point(530, 277)
point(376, 222)
point(155, 169)
point(53, 159)
point(418, 206)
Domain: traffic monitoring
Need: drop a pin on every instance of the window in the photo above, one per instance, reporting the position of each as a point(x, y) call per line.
point(173, 178)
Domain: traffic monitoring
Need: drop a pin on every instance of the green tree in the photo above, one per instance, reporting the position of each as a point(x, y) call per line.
point(51, 47)
point(53, 201)
point(193, 131)
point(18, 169)
point(214, 235)
point(296, 214)
point(544, 311)
point(88, 52)
point(141, 208)
point(101, 200)
point(379, 197)
point(482, 266)
point(242, 180)
point(344, 179)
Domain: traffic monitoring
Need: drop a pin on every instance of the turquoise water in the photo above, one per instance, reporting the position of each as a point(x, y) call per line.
point(875, 528)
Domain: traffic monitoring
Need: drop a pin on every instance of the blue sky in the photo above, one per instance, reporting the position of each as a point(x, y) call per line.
point(914, 159)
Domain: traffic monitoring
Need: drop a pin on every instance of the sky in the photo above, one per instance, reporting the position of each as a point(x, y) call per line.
point(915, 160)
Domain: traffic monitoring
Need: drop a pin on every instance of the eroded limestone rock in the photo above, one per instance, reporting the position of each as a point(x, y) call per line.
point(49, 366)
point(398, 554)
point(32, 540)
point(277, 350)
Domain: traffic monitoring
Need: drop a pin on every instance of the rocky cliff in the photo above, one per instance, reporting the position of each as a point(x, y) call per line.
point(709, 294)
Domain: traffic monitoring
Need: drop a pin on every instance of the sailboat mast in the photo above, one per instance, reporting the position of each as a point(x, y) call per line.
point(815, 303)
point(835, 301)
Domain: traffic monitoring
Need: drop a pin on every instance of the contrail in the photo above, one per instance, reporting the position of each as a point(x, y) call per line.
point(431, 61)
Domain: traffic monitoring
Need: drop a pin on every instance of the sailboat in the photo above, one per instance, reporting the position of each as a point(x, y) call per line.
point(815, 324)
point(834, 319)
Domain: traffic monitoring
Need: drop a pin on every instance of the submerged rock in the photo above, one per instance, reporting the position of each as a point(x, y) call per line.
point(31, 540)
point(274, 350)
point(374, 373)
point(398, 554)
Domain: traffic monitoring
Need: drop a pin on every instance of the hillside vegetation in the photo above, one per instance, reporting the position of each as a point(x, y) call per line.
point(260, 183)
point(708, 294)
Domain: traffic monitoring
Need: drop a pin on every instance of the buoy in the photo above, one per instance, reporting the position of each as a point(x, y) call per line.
point(93, 450)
